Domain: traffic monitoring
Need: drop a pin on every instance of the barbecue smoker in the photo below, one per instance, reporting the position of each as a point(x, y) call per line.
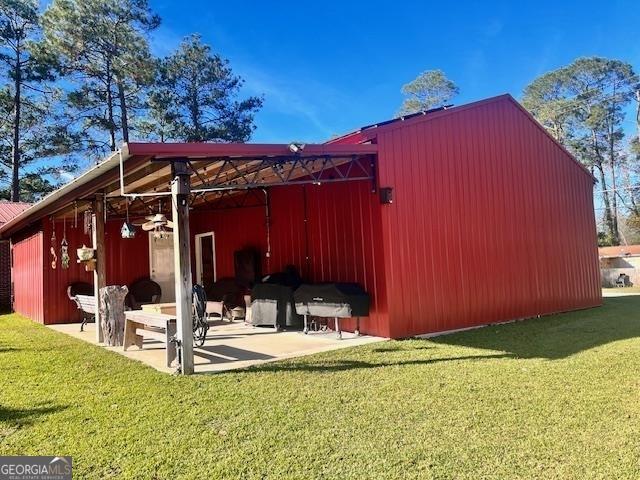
point(332, 300)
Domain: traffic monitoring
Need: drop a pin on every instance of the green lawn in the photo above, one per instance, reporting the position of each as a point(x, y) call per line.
point(557, 397)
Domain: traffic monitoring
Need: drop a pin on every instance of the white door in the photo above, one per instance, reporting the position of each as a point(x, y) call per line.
point(161, 265)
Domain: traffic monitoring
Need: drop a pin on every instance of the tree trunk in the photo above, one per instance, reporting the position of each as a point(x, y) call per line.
point(124, 118)
point(614, 198)
point(112, 314)
point(112, 124)
point(638, 115)
point(15, 145)
point(606, 200)
point(608, 218)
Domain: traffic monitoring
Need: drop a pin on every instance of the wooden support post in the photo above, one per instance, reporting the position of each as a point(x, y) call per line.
point(99, 274)
point(180, 188)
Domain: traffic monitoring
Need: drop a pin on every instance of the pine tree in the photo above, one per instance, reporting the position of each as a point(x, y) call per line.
point(430, 89)
point(102, 46)
point(583, 105)
point(195, 98)
point(30, 126)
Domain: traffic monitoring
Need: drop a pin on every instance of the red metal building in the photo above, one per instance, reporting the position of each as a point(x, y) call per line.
point(490, 220)
point(8, 210)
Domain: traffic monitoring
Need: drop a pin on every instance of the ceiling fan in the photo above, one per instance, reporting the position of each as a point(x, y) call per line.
point(157, 223)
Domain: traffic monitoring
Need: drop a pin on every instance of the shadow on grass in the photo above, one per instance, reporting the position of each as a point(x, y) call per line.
point(401, 348)
point(342, 365)
point(557, 336)
point(27, 415)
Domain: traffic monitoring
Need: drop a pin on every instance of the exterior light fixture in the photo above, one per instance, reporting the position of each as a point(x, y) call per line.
point(386, 195)
point(296, 147)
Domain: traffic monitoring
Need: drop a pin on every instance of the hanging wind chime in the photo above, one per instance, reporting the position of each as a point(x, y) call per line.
point(64, 246)
point(54, 256)
point(86, 255)
point(87, 222)
point(127, 230)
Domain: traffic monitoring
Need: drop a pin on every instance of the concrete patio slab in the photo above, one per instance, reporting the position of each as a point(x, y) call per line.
point(231, 346)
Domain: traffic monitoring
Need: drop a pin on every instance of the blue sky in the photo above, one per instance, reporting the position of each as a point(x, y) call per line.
point(329, 67)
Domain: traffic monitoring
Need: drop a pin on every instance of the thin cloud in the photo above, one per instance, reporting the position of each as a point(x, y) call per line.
point(302, 98)
point(283, 99)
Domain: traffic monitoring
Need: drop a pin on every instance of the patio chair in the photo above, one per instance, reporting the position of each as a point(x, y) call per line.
point(81, 294)
point(143, 291)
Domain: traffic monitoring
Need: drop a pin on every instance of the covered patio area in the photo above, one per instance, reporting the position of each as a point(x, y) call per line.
point(231, 346)
point(177, 215)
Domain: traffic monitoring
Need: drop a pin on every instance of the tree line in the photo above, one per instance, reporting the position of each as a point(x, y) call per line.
point(79, 78)
point(586, 106)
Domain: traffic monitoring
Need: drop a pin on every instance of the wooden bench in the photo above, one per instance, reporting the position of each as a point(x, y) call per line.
point(159, 326)
point(87, 305)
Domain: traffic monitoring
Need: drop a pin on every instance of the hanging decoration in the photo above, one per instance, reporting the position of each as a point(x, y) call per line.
point(86, 255)
point(64, 246)
point(127, 230)
point(87, 222)
point(75, 215)
point(54, 255)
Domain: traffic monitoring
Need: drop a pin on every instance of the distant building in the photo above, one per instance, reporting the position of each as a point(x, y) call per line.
point(8, 210)
point(616, 261)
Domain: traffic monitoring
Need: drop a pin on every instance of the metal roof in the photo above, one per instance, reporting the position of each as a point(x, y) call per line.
point(368, 134)
point(145, 173)
point(9, 210)
point(619, 251)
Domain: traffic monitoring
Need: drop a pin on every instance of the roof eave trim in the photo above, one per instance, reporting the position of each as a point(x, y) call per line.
point(39, 210)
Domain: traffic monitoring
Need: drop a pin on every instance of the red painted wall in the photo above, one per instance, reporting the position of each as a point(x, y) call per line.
point(127, 260)
point(234, 229)
point(343, 243)
point(27, 274)
point(491, 221)
point(343, 240)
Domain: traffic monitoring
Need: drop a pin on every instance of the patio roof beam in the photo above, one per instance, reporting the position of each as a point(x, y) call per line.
point(228, 199)
point(293, 171)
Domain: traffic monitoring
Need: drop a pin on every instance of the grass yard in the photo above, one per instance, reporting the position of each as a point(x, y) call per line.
point(557, 397)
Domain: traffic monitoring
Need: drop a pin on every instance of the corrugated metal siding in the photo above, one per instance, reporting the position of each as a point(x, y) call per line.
point(126, 260)
point(234, 229)
point(345, 244)
point(343, 239)
point(58, 307)
point(27, 275)
point(491, 221)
